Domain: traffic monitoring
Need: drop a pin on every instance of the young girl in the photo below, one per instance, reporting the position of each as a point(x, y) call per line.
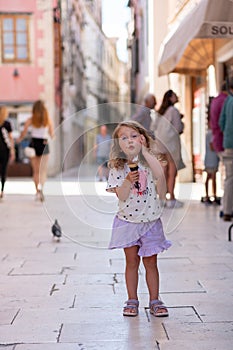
point(137, 226)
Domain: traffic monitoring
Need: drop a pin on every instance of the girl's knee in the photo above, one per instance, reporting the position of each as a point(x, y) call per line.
point(133, 262)
point(150, 261)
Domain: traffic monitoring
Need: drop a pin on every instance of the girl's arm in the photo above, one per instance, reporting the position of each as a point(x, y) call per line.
point(24, 132)
point(123, 191)
point(157, 170)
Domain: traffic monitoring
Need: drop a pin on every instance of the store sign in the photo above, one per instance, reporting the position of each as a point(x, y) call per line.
point(216, 30)
point(222, 30)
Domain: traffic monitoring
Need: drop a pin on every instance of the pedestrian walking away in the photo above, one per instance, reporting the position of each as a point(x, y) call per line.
point(226, 125)
point(41, 128)
point(137, 227)
point(101, 152)
point(216, 106)
point(211, 162)
point(7, 148)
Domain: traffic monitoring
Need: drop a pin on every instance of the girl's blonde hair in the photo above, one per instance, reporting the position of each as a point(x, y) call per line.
point(3, 114)
point(117, 157)
point(39, 114)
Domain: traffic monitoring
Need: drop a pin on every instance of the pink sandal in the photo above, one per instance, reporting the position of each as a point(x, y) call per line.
point(131, 307)
point(157, 308)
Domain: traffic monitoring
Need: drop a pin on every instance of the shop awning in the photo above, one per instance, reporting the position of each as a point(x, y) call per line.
point(189, 49)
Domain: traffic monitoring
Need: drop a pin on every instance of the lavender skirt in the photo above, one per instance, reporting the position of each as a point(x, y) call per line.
point(149, 236)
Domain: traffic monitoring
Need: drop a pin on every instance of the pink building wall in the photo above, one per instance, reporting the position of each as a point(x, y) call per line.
point(26, 86)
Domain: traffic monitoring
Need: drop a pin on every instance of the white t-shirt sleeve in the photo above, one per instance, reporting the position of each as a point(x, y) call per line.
point(115, 179)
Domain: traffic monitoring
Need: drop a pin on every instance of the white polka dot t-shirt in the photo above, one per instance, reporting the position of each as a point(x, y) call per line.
point(142, 205)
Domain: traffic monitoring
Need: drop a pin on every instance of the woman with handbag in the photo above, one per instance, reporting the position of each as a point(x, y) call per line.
point(41, 128)
point(167, 129)
point(7, 148)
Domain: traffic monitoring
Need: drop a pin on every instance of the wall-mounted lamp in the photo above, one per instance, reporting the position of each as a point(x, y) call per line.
point(16, 73)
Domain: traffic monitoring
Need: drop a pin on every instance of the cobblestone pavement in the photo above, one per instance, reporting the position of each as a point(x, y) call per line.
point(69, 295)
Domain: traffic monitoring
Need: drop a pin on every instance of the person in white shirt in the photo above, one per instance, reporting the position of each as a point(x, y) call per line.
point(41, 128)
point(169, 126)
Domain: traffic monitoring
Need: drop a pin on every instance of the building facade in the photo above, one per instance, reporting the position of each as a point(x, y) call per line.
point(27, 66)
point(185, 58)
point(73, 82)
point(56, 51)
point(92, 79)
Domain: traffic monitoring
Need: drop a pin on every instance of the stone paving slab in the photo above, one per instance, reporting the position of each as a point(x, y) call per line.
point(7, 316)
point(83, 314)
point(91, 268)
point(135, 330)
point(35, 302)
point(204, 271)
point(21, 286)
point(223, 313)
point(204, 304)
point(56, 346)
point(31, 333)
point(189, 331)
point(218, 285)
point(87, 345)
point(208, 344)
point(38, 268)
point(216, 260)
point(90, 279)
point(112, 345)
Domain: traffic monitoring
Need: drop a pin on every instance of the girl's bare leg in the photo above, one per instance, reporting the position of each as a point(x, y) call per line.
point(152, 276)
point(152, 280)
point(131, 271)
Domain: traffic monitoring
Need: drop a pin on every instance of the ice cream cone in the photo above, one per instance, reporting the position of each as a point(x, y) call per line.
point(133, 166)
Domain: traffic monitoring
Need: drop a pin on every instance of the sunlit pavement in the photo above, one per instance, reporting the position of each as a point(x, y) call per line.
point(69, 295)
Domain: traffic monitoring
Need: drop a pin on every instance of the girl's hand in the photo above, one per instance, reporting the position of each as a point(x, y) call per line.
point(144, 145)
point(132, 176)
point(143, 140)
